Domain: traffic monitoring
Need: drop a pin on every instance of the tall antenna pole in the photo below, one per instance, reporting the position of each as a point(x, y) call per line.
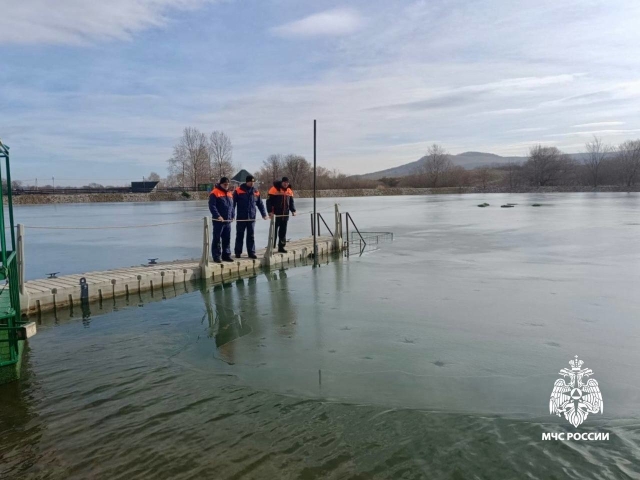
point(315, 214)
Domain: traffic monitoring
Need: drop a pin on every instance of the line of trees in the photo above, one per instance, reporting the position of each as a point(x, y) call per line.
point(198, 158)
point(300, 173)
point(599, 164)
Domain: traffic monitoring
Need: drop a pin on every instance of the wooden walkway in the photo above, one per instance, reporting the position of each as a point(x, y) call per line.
point(47, 294)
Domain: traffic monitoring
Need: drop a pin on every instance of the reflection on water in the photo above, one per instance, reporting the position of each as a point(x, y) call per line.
point(437, 356)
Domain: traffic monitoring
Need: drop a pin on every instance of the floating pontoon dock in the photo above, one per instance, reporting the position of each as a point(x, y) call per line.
point(64, 291)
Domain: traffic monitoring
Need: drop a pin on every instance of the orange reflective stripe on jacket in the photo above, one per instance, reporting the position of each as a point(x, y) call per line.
point(221, 193)
point(274, 191)
point(240, 191)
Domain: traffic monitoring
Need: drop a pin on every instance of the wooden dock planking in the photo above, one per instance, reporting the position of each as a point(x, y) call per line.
point(50, 293)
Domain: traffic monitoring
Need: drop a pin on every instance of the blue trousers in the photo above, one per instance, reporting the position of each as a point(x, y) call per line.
point(221, 232)
point(251, 239)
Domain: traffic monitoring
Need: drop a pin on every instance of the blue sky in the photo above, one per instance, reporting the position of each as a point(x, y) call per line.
point(102, 90)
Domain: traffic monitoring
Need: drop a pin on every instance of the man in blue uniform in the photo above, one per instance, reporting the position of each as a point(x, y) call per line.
point(221, 208)
point(246, 198)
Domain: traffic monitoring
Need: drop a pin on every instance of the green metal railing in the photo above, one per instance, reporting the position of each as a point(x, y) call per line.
point(10, 320)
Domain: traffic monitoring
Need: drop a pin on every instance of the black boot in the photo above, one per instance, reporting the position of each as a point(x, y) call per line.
point(227, 259)
point(217, 260)
point(281, 250)
point(253, 255)
point(238, 255)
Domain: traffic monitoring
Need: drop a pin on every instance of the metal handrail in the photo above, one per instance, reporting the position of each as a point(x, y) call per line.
point(320, 217)
point(363, 243)
point(316, 224)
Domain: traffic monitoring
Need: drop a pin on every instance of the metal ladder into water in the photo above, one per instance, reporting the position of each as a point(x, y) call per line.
point(355, 241)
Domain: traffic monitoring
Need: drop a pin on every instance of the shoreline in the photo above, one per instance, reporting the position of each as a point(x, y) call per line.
point(332, 193)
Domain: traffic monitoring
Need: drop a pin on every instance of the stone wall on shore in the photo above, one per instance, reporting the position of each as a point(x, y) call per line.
point(176, 196)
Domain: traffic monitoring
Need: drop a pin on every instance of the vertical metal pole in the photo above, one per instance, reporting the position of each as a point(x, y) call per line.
point(10, 203)
point(346, 221)
point(20, 258)
point(3, 241)
point(341, 231)
point(313, 225)
point(315, 214)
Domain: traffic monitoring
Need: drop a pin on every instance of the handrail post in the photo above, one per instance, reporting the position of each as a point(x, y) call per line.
point(359, 234)
point(346, 221)
point(205, 267)
point(22, 291)
point(337, 237)
point(268, 253)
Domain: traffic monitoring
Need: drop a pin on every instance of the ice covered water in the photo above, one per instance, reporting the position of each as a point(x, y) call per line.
point(433, 357)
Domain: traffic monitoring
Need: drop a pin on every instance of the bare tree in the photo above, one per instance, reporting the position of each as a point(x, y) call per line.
point(484, 175)
point(221, 155)
point(390, 182)
point(298, 169)
point(597, 154)
point(513, 174)
point(153, 177)
point(627, 162)
point(436, 165)
point(170, 181)
point(548, 166)
point(190, 160)
point(272, 168)
point(458, 176)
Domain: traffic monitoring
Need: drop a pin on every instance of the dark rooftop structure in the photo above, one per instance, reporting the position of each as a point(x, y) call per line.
point(240, 176)
point(143, 187)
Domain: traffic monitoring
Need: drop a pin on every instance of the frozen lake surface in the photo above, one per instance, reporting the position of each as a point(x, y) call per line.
point(433, 357)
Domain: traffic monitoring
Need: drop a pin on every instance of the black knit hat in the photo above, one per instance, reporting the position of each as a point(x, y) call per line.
point(250, 178)
point(224, 180)
point(285, 179)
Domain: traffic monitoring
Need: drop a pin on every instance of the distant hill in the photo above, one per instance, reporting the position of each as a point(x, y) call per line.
point(466, 160)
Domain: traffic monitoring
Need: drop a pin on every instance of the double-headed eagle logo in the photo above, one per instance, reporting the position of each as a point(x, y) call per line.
point(577, 398)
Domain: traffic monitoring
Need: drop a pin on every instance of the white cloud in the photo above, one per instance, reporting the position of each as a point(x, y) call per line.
point(337, 22)
point(441, 73)
point(598, 124)
point(591, 133)
point(79, 22)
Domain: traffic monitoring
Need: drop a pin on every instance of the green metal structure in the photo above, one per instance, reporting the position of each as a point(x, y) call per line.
point(10, 320)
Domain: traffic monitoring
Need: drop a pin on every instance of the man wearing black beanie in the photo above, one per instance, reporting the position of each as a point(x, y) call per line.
point(246, 198)
point(221, 208)
point(279, 204)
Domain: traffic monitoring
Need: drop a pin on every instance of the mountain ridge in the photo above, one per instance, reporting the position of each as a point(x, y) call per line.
point(471, 159)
